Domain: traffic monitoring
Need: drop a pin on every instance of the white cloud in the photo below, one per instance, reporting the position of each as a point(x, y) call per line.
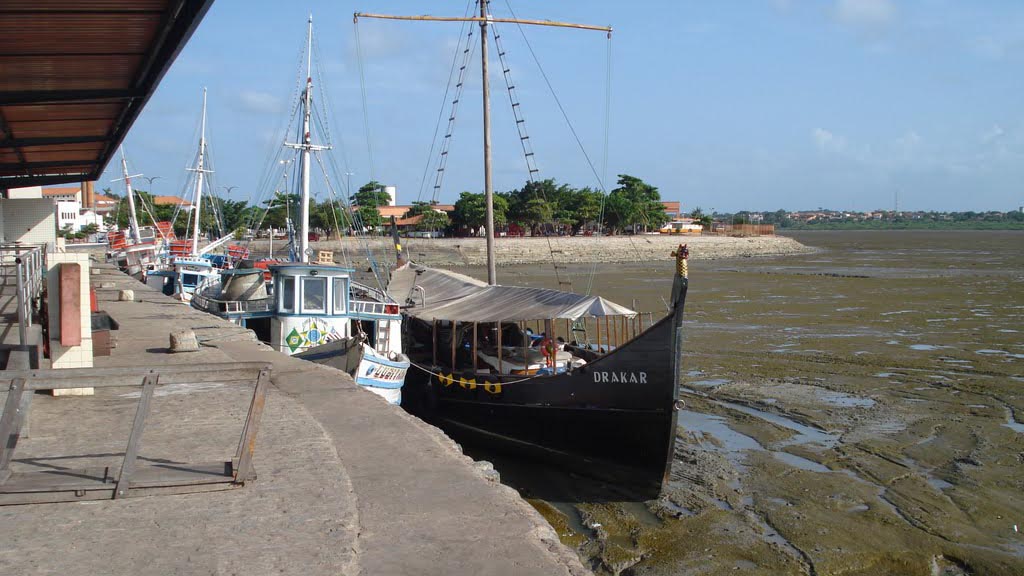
point(827, 141)
point(992, 134)
point(869, 14)
point(259, 102)
point(908, 141)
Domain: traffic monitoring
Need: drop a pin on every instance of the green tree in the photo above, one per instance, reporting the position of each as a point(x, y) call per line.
point(586, 205)
point(371, 194)
point(536, 212)
point(634, 204)
point(701, 218)
point(433, 220)
point(471, 210)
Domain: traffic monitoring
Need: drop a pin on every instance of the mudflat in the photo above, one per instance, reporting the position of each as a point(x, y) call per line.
point(857, 410)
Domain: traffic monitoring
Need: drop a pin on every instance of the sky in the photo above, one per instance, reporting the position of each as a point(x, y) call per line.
point(727, 106)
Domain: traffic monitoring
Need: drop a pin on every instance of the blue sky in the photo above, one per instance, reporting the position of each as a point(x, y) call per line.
point(755, 104)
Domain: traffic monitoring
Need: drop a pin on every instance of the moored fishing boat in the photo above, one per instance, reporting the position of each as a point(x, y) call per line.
point(314, 310)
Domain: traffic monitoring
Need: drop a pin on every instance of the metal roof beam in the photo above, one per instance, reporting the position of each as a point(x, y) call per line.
point(56, 96)
point(4, 166)
point(7, 182)
point(22, 142)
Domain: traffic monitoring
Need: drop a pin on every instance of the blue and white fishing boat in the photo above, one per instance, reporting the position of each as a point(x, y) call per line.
point(313, 310)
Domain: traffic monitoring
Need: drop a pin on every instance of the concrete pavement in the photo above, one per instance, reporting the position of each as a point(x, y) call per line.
point(347, 483)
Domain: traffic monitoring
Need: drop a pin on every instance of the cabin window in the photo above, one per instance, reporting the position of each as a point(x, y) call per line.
point(288, 294)
point(340, 287)
point(190, 280)
point(314, 294)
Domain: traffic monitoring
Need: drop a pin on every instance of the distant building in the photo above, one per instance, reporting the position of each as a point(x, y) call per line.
point(71, 216)
point(64, 194)
point(171, 201)
point(399, 212)
point(105, 204)
point(672, 209)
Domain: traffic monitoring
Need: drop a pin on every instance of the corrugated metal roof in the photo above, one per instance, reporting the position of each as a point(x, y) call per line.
point(74, 76)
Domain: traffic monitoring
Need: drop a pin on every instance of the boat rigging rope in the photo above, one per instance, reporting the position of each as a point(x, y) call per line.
point(445, 376)
point(572, 129)
point(362, 89)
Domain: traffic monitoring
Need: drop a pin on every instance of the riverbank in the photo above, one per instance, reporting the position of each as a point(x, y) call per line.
point(855, 411)
point(446, 252)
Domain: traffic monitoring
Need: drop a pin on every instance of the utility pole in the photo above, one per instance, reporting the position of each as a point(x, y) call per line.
point(484, 19)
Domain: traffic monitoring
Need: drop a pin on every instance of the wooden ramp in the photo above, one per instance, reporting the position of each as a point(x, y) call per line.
point(132, 478)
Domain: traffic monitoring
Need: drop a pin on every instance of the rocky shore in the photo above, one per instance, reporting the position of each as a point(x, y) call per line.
point(512, 251)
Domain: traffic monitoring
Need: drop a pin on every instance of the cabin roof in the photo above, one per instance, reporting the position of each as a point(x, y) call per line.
point(445, 295)
point(302, 269)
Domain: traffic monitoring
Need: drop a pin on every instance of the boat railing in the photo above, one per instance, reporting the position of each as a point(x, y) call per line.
point(370, 307)
point(374, 293)
point(203, 299)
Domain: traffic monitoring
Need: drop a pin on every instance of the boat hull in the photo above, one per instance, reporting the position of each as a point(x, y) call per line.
point(613, 418)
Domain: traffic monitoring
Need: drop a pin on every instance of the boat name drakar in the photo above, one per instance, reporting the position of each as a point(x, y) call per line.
point(621, 377)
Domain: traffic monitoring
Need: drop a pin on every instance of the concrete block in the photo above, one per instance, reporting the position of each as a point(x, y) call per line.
point(126, 296)
point(184, 341)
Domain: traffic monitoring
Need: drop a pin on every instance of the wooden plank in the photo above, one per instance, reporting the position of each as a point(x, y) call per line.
point(10, 423)
point(95, 484)
point(22, 359)
point(119, 377)
point(247, 445)
point(135, 438)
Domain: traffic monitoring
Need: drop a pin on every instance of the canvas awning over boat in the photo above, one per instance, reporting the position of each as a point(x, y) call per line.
point(434, 294)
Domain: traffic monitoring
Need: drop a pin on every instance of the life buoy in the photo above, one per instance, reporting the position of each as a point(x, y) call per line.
point(548, 350)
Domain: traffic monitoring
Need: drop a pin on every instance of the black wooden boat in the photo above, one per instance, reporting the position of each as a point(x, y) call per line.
point(612, 415)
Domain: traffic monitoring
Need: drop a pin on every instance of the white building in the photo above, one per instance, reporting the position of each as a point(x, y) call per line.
point(70, 215)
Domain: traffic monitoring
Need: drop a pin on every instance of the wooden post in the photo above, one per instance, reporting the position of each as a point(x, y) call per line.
point(135, 438)
point(433, 333)
point(526, 339)
point(474, 348)
point(615, 331)
point(499, 348)
point(568, 330)
point(597, 322)
point(608, 333)
point(454, 325)
point(247, 443)
point(10, 421)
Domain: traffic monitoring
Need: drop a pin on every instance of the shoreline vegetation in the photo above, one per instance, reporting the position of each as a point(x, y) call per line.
point(453, 252)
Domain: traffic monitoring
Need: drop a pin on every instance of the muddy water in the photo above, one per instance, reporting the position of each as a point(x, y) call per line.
point(858, 410)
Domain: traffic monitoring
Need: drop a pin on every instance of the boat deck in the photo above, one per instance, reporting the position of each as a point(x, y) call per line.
point(346, 483)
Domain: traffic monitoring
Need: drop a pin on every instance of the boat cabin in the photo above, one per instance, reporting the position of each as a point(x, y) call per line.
point(189, 274)
point(317, 304)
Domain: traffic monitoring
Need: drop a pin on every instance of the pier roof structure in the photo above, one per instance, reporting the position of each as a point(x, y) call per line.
point(75, 75)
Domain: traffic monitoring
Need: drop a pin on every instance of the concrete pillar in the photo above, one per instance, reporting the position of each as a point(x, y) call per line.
point(75, 356)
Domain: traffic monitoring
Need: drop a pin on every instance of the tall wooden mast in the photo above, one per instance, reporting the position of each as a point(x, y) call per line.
point(483, 20)
point(306, 146)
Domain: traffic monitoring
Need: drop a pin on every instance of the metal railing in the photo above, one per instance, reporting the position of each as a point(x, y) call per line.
point(22, 267)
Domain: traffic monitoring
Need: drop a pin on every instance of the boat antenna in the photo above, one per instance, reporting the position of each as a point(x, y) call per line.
point(484, 19)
